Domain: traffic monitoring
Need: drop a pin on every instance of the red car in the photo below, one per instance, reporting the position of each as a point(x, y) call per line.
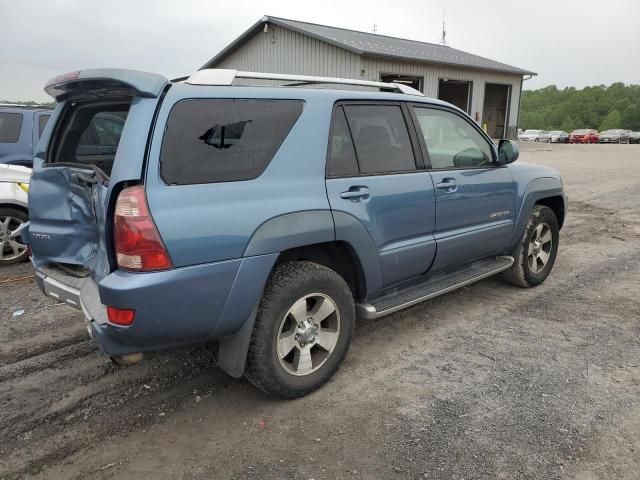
point(584, 135)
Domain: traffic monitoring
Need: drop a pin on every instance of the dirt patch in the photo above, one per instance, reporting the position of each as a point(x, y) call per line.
point(491, 381)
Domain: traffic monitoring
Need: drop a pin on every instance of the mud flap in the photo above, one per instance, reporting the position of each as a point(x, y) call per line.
point(232, 351)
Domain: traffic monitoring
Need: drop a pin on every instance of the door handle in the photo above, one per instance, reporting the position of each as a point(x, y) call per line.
point(355, 193)
point(449, 184)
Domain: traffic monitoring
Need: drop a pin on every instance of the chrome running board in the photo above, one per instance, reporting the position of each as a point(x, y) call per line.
point(433, 286)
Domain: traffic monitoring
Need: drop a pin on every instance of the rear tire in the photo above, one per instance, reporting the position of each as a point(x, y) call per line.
point(536, 253)
point(12, 247)
point(303, 330)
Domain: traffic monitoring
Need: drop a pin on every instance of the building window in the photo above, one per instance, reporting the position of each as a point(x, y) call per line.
point(412, 81)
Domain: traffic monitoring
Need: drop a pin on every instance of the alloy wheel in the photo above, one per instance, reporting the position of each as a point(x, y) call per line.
point(540, 246)
point(308, 334)
point(11, 243)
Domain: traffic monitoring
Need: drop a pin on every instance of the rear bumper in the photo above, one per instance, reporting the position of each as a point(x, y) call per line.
point(174, 307)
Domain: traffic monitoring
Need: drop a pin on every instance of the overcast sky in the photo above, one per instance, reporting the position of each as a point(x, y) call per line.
point(568, 42)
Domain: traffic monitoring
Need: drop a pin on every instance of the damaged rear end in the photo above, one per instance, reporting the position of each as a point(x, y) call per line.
point(88, 211)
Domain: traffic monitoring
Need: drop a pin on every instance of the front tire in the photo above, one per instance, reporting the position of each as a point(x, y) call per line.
point(536, 253)
point(303, 330)
point(12, 248)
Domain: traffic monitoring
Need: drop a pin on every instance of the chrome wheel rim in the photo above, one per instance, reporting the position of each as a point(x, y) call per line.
point(11, 245)
point(308, 334)
point(540, 246)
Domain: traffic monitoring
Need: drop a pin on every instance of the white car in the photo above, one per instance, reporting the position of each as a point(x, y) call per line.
point(14, 185)
point(534, 136)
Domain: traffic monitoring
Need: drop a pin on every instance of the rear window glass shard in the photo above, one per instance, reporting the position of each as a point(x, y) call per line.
point(224, 140)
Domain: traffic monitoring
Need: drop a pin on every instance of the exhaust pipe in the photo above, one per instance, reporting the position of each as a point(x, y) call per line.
point(128, 359)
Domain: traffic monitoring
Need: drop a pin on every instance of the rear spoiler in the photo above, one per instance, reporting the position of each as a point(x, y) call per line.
point(98, 82)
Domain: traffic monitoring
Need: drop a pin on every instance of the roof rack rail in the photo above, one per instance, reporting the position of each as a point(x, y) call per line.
point(218, 76)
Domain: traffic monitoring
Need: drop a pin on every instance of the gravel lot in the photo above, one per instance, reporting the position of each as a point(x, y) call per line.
point(491, 381)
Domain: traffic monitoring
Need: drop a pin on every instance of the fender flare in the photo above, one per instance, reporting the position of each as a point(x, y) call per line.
point(535, 190)
point(272, 237)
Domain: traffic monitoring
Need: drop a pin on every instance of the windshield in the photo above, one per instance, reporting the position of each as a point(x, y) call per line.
point(531, 132)
point(613, 132)
point(580, 132)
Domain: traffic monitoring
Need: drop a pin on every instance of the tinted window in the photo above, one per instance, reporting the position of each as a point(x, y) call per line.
point(10, 124)
point(90, 133)
point(451, 141)
point(210, 140)
point(342, 156)
point(42, 122)
point(108, 128)
point(381, 138)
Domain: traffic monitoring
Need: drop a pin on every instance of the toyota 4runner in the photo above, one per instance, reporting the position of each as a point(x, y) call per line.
point(269, 218)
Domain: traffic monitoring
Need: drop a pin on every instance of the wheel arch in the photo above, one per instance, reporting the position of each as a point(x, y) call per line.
point(545, 191)
point(556, 204)
point(339, 256)
point(15, 206)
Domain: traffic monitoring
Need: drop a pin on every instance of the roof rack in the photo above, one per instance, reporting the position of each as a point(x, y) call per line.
point(219, 76)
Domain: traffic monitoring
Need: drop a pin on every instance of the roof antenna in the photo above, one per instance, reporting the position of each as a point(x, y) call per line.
point(443, 38)
point(375, 28)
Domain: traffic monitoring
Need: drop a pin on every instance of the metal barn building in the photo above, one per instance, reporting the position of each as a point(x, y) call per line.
point(489, 91)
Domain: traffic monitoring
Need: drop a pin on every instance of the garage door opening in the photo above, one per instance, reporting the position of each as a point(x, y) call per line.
point(496, 106)
point(456, 92)
point(410, 80)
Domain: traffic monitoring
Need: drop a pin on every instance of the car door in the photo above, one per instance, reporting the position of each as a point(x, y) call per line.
point(373, 178)
point(475, 197)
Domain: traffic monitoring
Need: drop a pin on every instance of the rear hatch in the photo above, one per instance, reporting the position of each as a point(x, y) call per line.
point(93, 146)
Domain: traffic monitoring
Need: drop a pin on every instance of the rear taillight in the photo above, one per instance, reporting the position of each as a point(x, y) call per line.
point(137, 242)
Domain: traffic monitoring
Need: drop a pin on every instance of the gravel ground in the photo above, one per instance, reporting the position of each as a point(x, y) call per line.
point(491, 381)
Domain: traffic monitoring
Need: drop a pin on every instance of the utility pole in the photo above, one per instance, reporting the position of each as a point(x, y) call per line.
point(375, 28)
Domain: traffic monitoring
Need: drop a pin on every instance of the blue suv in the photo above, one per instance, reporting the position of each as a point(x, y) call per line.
point(267, 219)
point(21, 127)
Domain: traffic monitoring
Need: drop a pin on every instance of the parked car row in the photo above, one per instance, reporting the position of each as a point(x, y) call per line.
point(582, 135)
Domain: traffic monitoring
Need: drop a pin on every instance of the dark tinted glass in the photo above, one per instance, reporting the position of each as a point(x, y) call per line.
point(89, 133)
point(42, 122)
point(342, 156)
point(209, 141)
point(381, 138)
point(10, 124)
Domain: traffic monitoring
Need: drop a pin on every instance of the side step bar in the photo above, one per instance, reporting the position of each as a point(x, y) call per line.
point(433, 286)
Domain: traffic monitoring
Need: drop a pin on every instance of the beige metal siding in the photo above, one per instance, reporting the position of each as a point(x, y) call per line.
point(282, 50)
point(432, 74)
point(285, 51)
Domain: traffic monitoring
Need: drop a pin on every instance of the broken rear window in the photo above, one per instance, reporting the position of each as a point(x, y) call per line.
point(209, 141)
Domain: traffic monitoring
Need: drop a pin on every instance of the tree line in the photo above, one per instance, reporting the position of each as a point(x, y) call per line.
point(599, 107)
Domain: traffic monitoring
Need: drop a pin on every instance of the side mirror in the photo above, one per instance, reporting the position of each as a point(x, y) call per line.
point(508, 152)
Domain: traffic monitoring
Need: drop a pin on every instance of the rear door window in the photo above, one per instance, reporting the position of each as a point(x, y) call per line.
point(219, 140)
point(10, 125)
point(342, 155)
point(381, 138)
